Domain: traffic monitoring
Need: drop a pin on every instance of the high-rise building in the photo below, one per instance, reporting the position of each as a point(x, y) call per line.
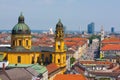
point(112, 29)
point(91, 28)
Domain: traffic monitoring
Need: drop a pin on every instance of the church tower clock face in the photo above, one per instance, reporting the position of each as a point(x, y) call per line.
point(58, 43)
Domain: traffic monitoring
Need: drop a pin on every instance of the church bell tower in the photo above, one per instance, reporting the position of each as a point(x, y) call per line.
point(59, 37)
point(59, 57)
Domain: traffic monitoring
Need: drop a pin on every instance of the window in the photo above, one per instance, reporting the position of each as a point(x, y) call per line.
point(20, 42)
point(33, 60)
point(38, 59)
point(46, 61)
point(19, 59)
point(58, 46)
point(26, 42)
point(58, 42)
point(13, 42)
point(19, 30)
point(63, 59)
point(42, 57)
point(50, 57)
point(58, 60)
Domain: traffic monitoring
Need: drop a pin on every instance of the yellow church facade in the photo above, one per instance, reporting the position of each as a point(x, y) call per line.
point(22, 51)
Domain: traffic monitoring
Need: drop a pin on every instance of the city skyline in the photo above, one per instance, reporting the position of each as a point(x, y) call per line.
point(74, 14)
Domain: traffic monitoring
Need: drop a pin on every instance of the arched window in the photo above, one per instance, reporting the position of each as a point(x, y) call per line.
point(58, 60)
point(20, 42)
point(26, 42)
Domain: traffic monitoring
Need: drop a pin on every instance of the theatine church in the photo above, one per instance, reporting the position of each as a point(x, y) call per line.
point(22, 51)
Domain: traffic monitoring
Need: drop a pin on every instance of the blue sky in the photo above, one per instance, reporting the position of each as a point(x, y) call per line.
point(74, 14)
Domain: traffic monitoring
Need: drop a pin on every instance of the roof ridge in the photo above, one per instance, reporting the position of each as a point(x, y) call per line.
point(29, 71)
point(7, 75)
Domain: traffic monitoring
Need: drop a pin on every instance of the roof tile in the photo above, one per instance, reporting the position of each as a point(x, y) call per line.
point(69, 77)
point(52, 67)
point(110, 47)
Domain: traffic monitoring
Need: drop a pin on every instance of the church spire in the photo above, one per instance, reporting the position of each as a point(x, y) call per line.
point(59, 20)
point(102, 33)
point(102, 28)
point(60, 53)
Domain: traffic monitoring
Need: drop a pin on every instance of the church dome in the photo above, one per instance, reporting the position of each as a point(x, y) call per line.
point(21, 27)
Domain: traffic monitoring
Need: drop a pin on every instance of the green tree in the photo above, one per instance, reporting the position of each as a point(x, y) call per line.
point(72, 60)
point(94, 37)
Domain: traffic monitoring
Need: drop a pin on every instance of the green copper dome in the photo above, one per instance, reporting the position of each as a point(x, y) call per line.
point(21, 27)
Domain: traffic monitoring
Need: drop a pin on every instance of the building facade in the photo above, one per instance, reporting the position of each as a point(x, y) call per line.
point(98, 70)
point(22, 51)
point(110, 49)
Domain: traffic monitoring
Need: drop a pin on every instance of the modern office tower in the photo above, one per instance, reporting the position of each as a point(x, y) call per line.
point(112, 29)
point(91, 27)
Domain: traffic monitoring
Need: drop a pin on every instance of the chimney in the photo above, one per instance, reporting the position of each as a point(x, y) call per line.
point(3, 68)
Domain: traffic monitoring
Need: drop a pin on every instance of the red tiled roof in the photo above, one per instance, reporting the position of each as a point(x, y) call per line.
point(69, 77)
point(96, 62)
point(52, 67)
point(111, 40)
point(72, 43)
point(110, 47)
point(75, 39)
point(81, 43)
